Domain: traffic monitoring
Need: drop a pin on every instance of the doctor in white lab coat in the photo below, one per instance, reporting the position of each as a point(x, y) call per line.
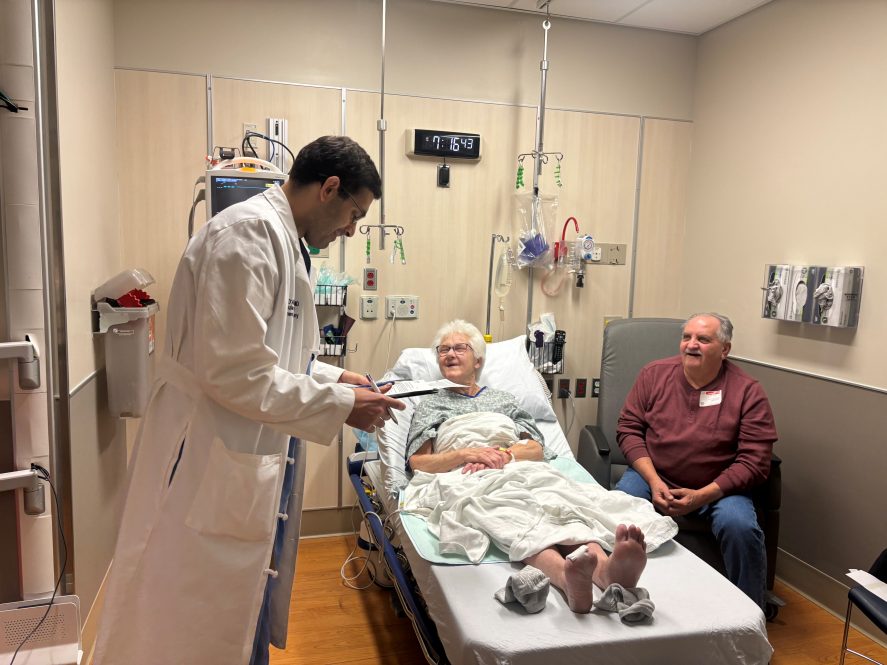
point(203, 568)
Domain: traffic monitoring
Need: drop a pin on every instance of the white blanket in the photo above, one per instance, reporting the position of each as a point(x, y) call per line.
point(471, 430)
point(524, 508)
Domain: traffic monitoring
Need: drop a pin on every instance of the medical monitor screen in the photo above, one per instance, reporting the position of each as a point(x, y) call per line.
point(224, 190)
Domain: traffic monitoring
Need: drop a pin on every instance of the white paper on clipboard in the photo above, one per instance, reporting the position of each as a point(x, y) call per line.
point(869, 581)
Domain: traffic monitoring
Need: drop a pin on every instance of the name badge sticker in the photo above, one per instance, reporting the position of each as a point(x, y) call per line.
point(709, 398)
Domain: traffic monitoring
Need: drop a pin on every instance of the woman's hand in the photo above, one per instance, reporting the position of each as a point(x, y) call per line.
point(478, 459)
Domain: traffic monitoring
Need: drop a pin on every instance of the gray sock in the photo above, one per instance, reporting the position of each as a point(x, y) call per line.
point(632, 604)
point(528, 586)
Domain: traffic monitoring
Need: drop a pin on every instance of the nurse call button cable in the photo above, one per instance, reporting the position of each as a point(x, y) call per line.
point(43, 474)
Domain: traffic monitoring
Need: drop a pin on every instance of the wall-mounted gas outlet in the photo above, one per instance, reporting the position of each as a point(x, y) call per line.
point(369, 307)
point(402, 307)
point(609, 254)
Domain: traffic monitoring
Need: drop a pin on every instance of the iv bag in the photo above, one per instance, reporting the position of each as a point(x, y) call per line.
point(534, 215)
point(503, 273)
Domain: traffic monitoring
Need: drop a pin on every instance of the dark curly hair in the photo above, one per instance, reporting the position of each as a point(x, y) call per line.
point(337, 156)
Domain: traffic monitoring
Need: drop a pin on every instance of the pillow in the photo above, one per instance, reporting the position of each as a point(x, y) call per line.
point(506, 367)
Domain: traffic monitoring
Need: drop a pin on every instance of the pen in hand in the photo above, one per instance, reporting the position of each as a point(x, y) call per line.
point(376, 389)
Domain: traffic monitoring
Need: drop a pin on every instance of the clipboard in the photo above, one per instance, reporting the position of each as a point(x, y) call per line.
point(414, 393)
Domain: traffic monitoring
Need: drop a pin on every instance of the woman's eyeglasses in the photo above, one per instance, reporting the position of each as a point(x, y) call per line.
point(458, 349)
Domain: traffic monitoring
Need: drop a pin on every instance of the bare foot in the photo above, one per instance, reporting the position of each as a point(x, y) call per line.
point(579, 576)
point(625, 565)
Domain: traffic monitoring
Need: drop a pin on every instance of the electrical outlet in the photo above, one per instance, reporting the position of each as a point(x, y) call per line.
point(563, 388)
point(370, 279)
point(595, 387)
point(401, 307)
point(369, 307)
point(248, 127)
point(549, 383)
point(581, 387)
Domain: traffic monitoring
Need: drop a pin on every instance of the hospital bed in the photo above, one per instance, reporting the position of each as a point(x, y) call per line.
point(700, 616)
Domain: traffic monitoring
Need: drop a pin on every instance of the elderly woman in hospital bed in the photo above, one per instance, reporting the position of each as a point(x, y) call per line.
point(557, 526)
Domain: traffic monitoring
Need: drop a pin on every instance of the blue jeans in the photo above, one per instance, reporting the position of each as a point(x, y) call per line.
point(735, 526)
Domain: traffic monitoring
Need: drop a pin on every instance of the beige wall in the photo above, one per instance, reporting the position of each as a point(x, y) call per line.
point(92, 228)
point(435, 49)
point(788, 167)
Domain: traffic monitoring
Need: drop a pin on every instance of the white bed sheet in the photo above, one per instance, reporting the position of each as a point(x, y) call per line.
point(700, 616)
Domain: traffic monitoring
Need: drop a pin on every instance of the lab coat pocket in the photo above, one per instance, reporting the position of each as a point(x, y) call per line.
point(236, 496)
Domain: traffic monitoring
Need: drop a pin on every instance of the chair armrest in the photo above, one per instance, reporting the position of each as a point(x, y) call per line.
point(594, 454)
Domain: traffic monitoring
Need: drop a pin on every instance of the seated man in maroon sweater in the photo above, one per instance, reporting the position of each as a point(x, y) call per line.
point(698, 433)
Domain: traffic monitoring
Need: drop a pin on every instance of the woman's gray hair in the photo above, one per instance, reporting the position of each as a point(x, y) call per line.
point(461, 327)
point(725, 329)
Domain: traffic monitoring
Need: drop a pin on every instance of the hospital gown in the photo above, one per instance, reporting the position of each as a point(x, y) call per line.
point(435, 409)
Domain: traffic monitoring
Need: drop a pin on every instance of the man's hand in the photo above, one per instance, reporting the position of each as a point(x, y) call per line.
point(661, 495)
point(355, 379)
point(687, 500)
point(370, 410)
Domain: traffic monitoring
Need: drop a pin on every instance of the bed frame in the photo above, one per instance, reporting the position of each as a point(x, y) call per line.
point(407, 592)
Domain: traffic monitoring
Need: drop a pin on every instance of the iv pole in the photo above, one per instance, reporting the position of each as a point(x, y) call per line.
point(539, 155)
point(382, 125)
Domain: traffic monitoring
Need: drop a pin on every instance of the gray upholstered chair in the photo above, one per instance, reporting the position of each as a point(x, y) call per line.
point(629, 344)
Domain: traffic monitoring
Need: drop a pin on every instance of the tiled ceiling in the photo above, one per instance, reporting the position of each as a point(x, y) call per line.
point(692, 17)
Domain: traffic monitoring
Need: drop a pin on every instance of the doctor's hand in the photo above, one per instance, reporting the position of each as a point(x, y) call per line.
point(370, 410)
point(355, 379)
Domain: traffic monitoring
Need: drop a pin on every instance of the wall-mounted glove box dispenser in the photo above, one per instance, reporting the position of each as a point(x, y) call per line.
point(825, 296)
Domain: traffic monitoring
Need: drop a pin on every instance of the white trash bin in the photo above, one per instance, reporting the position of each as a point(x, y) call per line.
point(129, 343)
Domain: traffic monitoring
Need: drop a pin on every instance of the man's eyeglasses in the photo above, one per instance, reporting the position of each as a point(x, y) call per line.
point(458, 349)
point(363, 213)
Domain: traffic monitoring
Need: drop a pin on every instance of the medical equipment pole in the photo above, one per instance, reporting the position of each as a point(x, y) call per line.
point(382, 126)
point(538, 157)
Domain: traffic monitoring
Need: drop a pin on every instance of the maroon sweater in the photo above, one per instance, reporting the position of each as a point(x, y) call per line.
point(690, 445)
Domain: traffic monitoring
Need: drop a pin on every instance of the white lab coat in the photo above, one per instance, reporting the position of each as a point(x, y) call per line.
point(193, 555)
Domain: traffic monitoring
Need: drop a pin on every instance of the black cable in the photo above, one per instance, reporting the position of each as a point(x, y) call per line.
point(43, 474)
point(246, 142)
point(251, 134)
point(10, 105)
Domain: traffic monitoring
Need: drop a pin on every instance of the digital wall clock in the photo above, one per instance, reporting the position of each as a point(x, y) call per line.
point(439, 143)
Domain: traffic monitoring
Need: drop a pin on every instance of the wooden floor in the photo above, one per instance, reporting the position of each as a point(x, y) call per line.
point(330, 623)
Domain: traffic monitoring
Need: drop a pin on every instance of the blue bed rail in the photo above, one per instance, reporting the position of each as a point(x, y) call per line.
point(422, 624)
